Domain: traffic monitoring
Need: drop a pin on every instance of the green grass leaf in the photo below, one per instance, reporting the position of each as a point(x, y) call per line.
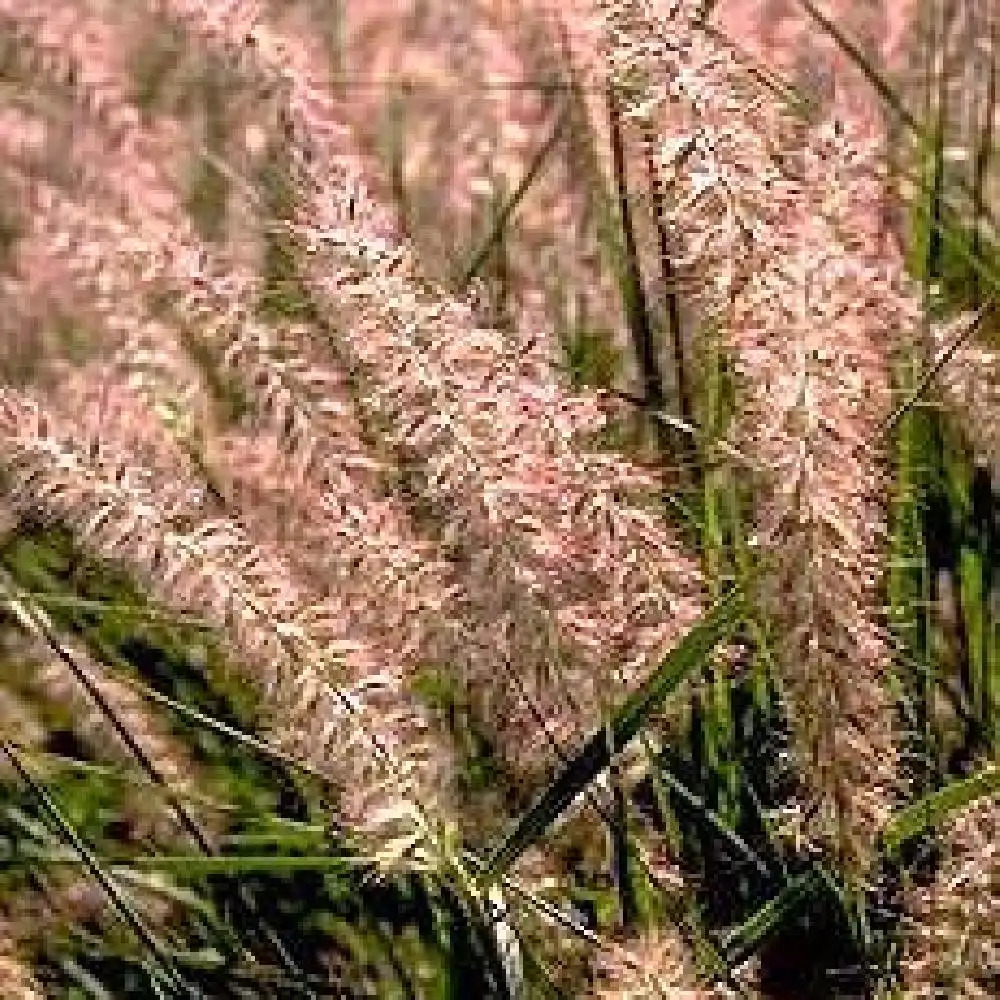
point(507, 210)
point(743, 940)
point(200, 865)
point(934, 809)
point(631, 717)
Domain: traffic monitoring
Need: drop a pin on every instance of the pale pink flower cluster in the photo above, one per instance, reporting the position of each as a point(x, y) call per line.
point(155, 242)
point(815, 337)
point(79, 468)
point(955, 944)
point(788, 226)
point(395, 587)
point(652, 967)
point(310, 479)
point(482, 411)
point(91, 253)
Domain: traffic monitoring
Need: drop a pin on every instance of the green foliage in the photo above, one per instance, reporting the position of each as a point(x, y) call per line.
point(11, 230)
point(628, 720)
point(403, 939)
point(232, 401)
point(155, 64)
point(941, 241)
point(284, 295)
point(592, 358)
point(207, 198)
point(746, 938)
point(481, 769)
point(936, 808)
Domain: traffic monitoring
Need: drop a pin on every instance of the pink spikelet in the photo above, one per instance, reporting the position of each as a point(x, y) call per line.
point(785, 218)
point(482, 411)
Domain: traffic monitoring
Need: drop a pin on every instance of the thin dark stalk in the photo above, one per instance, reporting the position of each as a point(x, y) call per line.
point(935, 248)
point(669, 283)
point(628, 904)
point(111, 890)
point(635, 299)
point(39, 623)
point(928, 377)
point(983, 155)
point(505, 213)
point(636, 307)
point(397, 154)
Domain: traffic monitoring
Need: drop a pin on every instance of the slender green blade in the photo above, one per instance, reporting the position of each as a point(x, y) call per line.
point(934, 809)
point(743, 940)
point(506, 212)
point(109, 886)
point(633, 715)
point(198, 865)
